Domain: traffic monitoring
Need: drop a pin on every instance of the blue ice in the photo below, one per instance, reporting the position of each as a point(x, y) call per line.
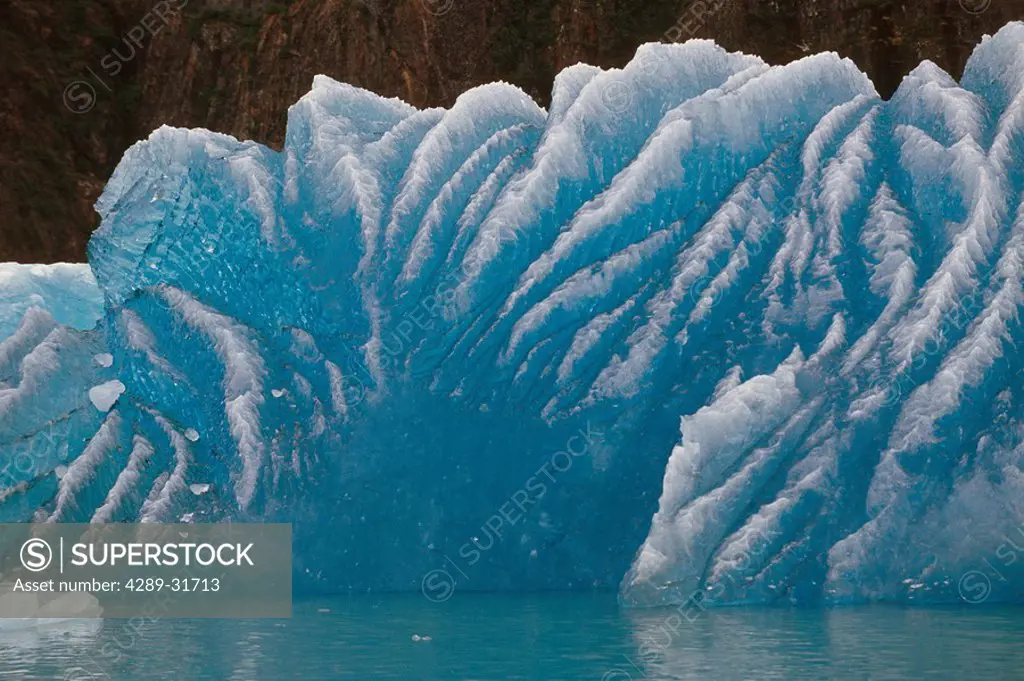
point(705, 329)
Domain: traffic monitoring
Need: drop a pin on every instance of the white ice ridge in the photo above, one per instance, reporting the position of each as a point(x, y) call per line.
point(243, 383)
point(127, 481)
point(378, 332)
point(170, 486)
point(83, 469)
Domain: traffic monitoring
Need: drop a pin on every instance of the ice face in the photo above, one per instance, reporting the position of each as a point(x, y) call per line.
point(464, 339)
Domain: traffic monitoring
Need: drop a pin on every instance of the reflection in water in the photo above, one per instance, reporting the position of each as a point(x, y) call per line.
point(877, 642)
point(499, 637)
point(248, 658)
point(24, 642)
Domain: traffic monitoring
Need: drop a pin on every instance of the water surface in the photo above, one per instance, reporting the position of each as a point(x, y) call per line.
point(501, 637)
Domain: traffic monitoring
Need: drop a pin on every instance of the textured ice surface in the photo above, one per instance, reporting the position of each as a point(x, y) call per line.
point(68, 292)
point(466, 339)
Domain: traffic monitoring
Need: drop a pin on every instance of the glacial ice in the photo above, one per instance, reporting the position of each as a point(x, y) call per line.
point(68, 292)
point(743, 334)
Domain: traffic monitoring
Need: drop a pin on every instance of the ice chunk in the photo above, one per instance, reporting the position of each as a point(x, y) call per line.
point(105, 395)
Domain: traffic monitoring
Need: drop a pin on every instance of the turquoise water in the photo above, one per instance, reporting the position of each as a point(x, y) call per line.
point(493, 637)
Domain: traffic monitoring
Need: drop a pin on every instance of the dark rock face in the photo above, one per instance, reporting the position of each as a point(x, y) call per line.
point(83, 80)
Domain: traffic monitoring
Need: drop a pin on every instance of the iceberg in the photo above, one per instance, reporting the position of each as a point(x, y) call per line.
point(706, 330)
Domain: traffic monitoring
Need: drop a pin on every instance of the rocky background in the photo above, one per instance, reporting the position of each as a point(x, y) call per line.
point(81, 80)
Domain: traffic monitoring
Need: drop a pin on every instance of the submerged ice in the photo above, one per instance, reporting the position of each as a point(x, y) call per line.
point(785, 312)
